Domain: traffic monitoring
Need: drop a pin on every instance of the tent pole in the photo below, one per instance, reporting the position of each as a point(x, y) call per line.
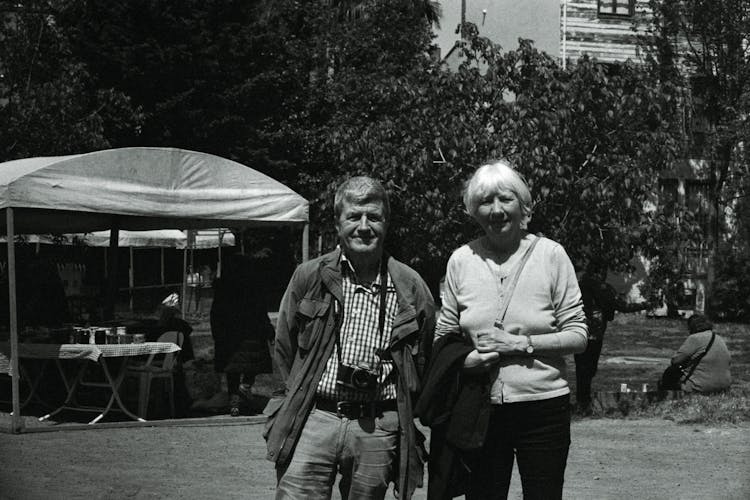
point(191, 244)
point(16, 421)
point(131, 278)
point(111, 297)
point(306, 243)
point(183, 299)
point(191, 267)
point(218, 263)
point(162, 266)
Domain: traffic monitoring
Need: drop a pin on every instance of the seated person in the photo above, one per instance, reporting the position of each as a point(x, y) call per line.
point(170, 319)
point(695, 369)
point(167, 317)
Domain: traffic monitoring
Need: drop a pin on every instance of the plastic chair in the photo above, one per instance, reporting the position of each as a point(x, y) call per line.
point(161, 367)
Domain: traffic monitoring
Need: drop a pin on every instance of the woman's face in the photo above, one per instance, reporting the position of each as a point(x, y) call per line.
point(499, 213)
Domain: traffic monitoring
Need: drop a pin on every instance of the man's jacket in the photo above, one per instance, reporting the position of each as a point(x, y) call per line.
point(305, 337)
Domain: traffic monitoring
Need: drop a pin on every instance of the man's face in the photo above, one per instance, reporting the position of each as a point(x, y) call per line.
point(361, 228)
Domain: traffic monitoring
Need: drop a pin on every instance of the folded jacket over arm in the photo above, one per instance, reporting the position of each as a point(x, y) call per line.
point(456, 407)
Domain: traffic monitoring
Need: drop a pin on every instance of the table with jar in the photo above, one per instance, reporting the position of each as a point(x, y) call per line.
point(108, 348)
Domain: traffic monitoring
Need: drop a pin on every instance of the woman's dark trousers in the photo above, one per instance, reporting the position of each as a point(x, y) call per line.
point(537, 435)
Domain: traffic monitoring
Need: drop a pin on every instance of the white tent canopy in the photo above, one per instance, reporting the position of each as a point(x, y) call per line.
point(164, 238)
point(134, 189)
point(155, 238)
point(142, 188)
point(210, 238)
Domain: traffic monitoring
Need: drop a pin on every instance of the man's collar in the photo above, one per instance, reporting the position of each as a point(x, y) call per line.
point(348, 269)
point(346, 265)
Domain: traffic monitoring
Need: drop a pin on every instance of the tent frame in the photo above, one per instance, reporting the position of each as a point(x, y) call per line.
point(40, 192)
point(17, 423)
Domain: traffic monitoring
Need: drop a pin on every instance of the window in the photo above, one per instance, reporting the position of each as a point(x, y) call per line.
point(698, 201)
point(619, 8)
point(669, 196)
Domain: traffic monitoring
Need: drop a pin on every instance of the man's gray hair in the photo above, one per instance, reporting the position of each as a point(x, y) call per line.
point(361, 189)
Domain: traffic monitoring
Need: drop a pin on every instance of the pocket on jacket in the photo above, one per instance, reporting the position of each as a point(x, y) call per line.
point(271, 411)
point(404, 329)
point(311, 318)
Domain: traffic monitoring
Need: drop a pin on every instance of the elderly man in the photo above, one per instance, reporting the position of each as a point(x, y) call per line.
point(352, 338)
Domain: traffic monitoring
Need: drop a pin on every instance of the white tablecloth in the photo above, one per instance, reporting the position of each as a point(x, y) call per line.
point(81, 351)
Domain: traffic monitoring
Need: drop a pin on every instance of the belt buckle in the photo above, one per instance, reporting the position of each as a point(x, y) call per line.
point(352, 410)
point(341, 407)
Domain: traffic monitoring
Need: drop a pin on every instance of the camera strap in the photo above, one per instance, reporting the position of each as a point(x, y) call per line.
point(383, 292)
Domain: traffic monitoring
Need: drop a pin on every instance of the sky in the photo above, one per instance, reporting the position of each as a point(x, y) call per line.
point(504, 22)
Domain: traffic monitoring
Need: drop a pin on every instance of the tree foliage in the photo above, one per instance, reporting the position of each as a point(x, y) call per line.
point(48, 103)
point(309, 94)
point(589, 140)
point(198, 69)
point(703, 46)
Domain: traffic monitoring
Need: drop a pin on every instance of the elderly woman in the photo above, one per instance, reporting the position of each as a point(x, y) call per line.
point(514, 298)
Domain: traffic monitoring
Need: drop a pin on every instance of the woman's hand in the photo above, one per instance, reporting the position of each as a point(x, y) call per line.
point(499, 341)
point(480, 361)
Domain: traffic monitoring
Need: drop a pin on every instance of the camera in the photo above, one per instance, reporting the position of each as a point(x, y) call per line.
point(360, 377)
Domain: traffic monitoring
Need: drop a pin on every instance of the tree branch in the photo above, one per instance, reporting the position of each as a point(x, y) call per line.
point(36, 52)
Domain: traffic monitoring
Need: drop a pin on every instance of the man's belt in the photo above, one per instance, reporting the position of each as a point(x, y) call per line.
point(356, 409)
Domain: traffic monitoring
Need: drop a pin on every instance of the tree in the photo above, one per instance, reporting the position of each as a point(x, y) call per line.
point(311, 97)
point(349, 10)
point(702, 45)
point(590, 141)
point(47, 102)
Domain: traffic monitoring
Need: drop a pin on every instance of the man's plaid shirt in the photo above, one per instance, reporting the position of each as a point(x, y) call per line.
point(361, 338)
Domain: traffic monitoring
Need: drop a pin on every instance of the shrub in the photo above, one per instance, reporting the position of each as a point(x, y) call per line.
point(730, 297)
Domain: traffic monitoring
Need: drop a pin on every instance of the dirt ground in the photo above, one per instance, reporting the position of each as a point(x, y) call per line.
point(609, 459)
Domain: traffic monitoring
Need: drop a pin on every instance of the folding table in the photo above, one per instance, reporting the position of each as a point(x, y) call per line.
point(101, 354)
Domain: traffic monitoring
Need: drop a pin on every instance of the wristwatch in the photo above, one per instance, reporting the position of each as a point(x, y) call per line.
point(530, 346)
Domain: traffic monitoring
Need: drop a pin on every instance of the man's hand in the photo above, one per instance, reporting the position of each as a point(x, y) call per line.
point(477, 362)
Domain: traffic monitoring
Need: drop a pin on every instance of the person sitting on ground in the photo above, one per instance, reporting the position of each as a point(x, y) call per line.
point(701, 364)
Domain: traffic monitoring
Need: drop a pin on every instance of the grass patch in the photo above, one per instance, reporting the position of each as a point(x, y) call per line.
point(732, 407)
point(629, 335)
point(635, 335)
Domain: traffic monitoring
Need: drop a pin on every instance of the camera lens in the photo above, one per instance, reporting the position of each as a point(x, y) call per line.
point(361, 379)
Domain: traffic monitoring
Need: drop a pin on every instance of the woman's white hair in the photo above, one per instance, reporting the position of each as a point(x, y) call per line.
point(492, 177)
